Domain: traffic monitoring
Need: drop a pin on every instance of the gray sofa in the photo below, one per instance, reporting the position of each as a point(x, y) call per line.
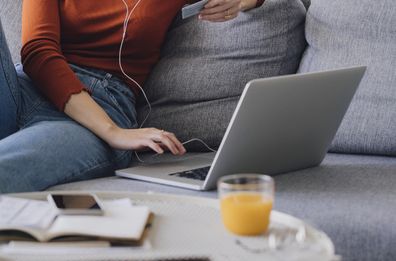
point(350, 196)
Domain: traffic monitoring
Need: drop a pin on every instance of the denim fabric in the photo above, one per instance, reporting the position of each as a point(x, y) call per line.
point(41, 146)
point(8, 96)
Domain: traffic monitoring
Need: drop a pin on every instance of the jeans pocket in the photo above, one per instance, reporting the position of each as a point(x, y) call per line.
point(88, 81)
point(87, 78)
point(111, 94)
point(123, 104)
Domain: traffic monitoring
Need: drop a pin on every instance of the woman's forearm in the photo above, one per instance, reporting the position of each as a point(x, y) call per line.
point(83, 109)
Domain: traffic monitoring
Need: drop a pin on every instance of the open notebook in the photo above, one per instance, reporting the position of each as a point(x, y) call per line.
point(22, 219)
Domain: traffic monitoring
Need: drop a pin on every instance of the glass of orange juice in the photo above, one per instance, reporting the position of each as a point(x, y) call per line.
point(246, 202)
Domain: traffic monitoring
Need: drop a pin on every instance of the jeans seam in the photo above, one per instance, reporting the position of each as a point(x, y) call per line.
point(32, 109)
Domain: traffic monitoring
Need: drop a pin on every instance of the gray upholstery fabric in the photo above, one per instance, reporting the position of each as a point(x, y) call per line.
point(306, 3)
point(358, 32)
point(204, 67)
point(349, 197)
point(10, 15)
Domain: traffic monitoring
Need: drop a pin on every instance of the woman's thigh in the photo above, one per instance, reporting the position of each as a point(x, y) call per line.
point(55, 152)
point(34, 107)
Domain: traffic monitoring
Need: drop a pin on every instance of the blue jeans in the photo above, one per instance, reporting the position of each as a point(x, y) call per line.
point(41, 146)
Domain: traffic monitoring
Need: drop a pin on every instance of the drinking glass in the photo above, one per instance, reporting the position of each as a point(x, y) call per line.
point(246, 202)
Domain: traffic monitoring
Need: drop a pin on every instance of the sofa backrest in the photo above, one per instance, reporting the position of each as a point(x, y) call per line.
point(205, 66)
point(10, 15)
point(358, 32)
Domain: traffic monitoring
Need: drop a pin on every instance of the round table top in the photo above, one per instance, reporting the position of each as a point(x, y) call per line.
point(189, 227)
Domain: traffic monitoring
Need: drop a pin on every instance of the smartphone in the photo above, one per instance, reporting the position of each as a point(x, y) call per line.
point(76, 204)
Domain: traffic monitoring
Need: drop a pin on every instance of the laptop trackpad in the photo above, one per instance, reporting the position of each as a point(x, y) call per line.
point(168, 164)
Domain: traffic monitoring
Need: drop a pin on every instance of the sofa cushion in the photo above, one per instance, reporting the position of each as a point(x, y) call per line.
point(10, 15)
point(358, 32)
point(204, 67)
point(350, 197)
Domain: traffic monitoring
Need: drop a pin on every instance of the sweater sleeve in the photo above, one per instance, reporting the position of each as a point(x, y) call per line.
point(41, 53)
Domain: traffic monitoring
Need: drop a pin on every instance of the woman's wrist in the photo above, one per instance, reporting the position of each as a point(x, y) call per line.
point(109, 131)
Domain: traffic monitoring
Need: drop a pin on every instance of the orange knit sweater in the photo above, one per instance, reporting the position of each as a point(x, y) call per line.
point(88, 33)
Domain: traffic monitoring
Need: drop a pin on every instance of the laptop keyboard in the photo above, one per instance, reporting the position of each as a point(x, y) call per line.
point(199, 174)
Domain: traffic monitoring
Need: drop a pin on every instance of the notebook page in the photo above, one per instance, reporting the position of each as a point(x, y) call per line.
point(121, 220)
point(16, 212)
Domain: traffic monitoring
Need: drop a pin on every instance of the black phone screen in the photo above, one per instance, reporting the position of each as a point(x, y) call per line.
point(75, 202)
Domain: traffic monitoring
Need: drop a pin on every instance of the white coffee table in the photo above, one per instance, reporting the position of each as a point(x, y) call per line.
point(187, 227)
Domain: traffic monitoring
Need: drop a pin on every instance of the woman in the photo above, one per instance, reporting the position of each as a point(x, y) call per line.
point(69, 113)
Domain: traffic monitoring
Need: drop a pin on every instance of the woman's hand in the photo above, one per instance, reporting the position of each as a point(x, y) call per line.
point(140, 139)
point(224, 10)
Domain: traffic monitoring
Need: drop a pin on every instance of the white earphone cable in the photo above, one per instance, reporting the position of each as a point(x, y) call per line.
point(201, 141)
point(125, 28)
point(126, 21)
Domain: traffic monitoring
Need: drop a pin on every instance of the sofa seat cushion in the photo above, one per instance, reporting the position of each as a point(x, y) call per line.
point(204, 67)
point(358, 32)
point(350, 197)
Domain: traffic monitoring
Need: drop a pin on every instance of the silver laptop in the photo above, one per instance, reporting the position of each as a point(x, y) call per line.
point(280, 124)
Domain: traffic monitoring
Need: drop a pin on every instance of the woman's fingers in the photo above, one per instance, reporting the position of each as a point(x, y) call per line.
point(175, 141)
point(139, 139)
point(213, 3)
point(220, 10)
point(154, 146)
point(167, 139)
point(222, 17)
point(169, 144)
point(217, 8)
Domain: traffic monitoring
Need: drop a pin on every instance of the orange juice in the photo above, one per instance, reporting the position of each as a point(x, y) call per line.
point(246, 214)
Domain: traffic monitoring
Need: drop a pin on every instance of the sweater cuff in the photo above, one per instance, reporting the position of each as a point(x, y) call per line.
point(61, 104)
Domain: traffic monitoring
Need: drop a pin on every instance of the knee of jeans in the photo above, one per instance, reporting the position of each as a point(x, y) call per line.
point(15, 184)
point(123, 159)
